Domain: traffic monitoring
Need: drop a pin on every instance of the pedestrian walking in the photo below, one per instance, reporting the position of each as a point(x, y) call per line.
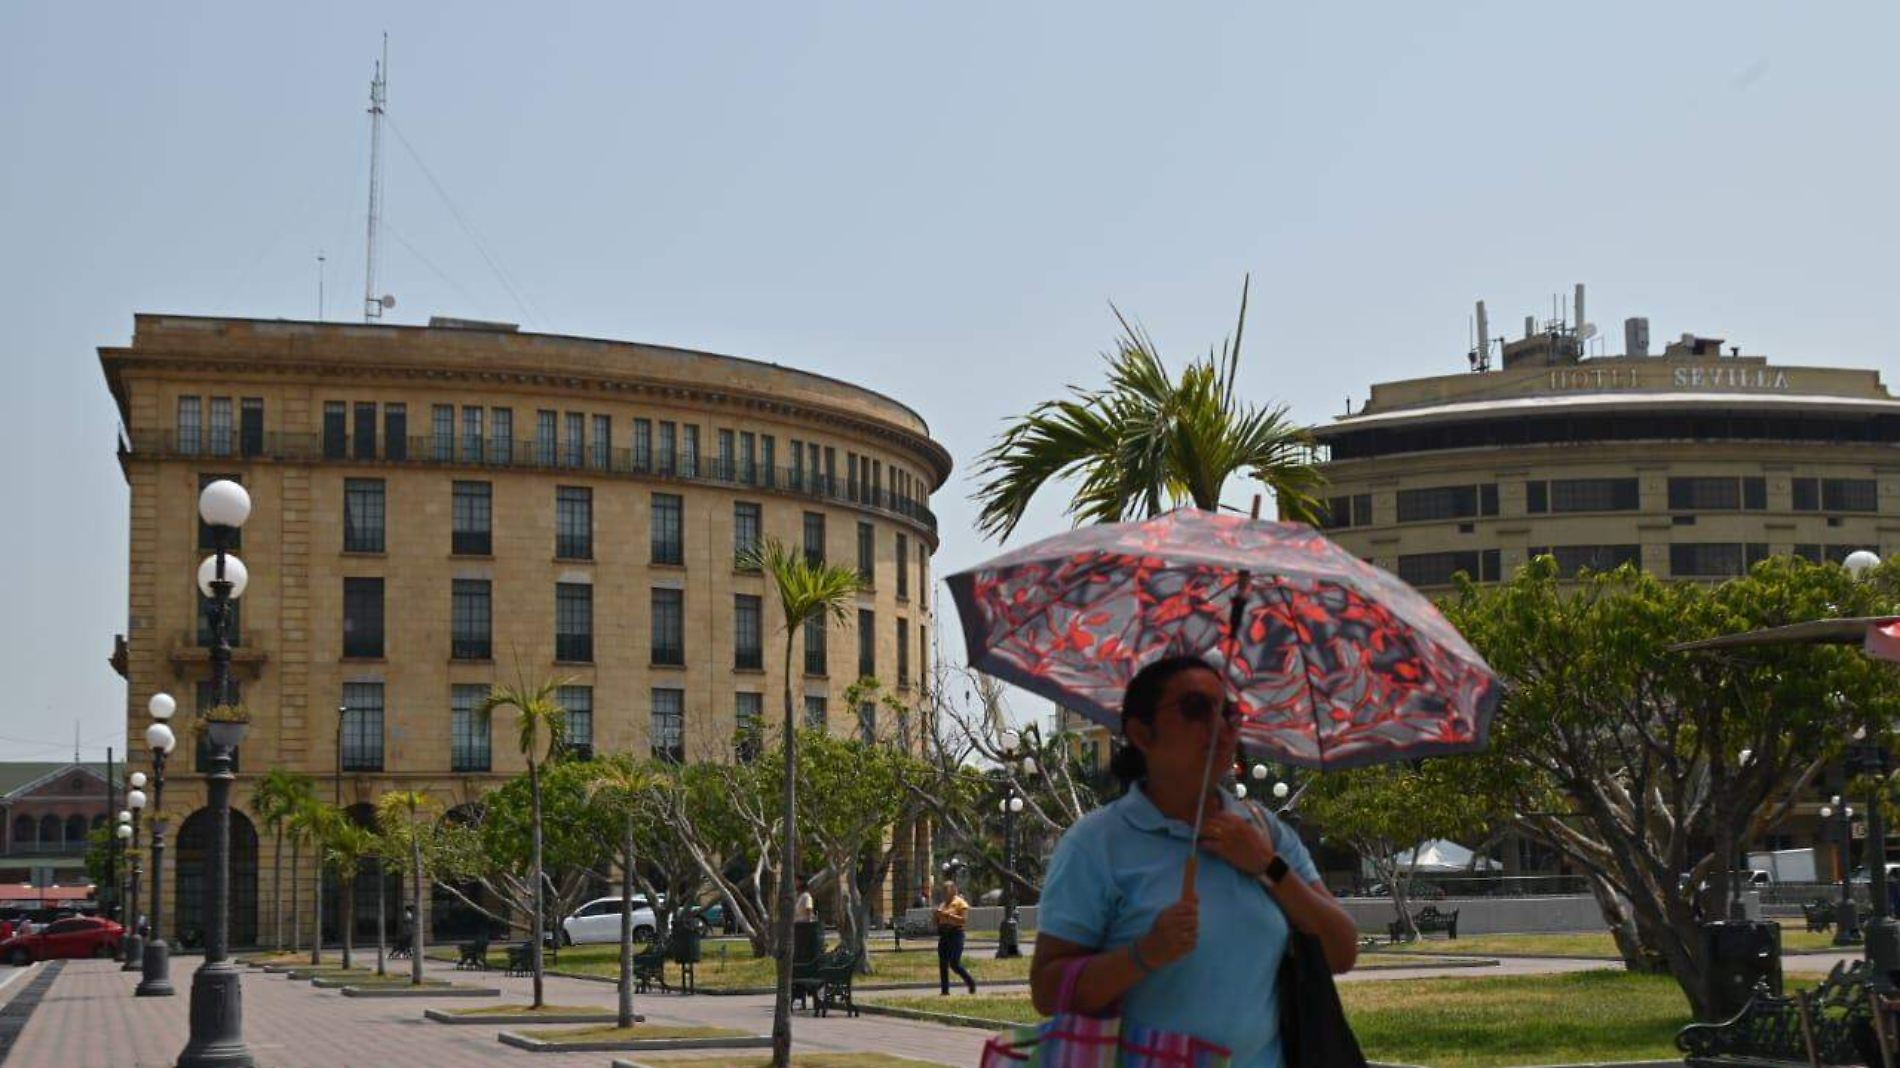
point(952, 916)
point(1116, 892)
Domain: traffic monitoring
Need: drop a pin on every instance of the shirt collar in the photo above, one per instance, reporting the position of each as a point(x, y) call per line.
point(1142, 815)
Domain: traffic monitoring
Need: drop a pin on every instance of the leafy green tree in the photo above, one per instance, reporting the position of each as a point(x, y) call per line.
point(310, 822)
point(406, 819)
point(349, 847)
point(275, 800)
point(1148, 441)
point(725, 819)
point(809, 591)
point(542, 724)
point(1649, 769)
point(851, 795)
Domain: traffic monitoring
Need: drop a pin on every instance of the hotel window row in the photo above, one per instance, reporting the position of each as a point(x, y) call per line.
point(1699, 560)
point(1689, 493)
point(206, 425)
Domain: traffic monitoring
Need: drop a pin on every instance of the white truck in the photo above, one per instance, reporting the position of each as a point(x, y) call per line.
point(1785, 865)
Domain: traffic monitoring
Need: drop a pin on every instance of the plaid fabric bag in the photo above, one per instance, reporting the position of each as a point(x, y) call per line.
point(1071, 1040)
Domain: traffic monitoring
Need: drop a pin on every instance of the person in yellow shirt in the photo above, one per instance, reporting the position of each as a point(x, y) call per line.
point(951, 917)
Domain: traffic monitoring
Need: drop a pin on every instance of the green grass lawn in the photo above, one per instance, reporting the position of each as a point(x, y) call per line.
point(610, 1033)
point(1578, 1017)
point(1575, 944)
point(528, 1010)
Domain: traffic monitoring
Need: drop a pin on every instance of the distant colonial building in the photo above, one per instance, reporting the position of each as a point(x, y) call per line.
point(48, 808)
point(433, 506)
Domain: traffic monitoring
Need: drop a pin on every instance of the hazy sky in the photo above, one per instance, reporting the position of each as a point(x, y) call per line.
point(935, 200)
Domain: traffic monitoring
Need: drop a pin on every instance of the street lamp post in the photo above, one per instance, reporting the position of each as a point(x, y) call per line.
point(217, 993)
point(1846, 920)
point(155, 979)
point(134, 942)
point(124, 832)
point(1007, 943)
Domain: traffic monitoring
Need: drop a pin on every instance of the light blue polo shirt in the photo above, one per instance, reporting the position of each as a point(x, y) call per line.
point(1113, 873)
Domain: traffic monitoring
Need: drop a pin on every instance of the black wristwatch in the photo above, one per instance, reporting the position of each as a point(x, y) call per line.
point(1276, 869)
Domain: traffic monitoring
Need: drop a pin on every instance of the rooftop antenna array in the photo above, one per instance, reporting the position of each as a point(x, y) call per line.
point(373, 305)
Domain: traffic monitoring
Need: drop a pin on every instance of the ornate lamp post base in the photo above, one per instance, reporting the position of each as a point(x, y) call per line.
point(134, 953)
point(156, 981)
point(217, 1020)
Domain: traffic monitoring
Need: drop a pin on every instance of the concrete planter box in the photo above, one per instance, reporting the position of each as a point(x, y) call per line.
point(420, 992)
point(466, 1019)
point(631, 1045)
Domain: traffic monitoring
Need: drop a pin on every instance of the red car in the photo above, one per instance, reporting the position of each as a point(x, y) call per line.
point(78, 936)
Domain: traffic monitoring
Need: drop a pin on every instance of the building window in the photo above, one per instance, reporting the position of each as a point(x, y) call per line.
point(816, 714)
point(363, 515)
point(689, 452)
point(363, 433)
point(473, 437)
point(1595, 495)
point(1438, 569)
point(469, 742)
point(748, 726)
point(1444, 502)
point(573, 622)
point(867, 722)
point(747, 521)
point(335, 430)
point(669, 724)
point(923, 656)
point(190, 425)
point(363, 618)
point(851, 475)
point(669, 446)
point(768, 456)
point(668, 537)
point(798, 464)
point(725, 470)
point(574, 445)
point(573, 523)
point(748, 458)
point(1850, 495)
point(748, 632)
point(1713, 559)
point(1838, 554)
point(362, 726)
point(395, 431)
point(903, 568)
point(473, 519)
point(471, 620)
point(642, 444)
point(578, 701)
point(603, 450)
point(1806, 493)
point(251, 426)
point(1572, 559)
point(1717, 494)
point(815, 652)
point(669, 627)
point(501, 423)
point(815, 538)
point(867, 555)
point(831, 471)
point(903, 654)
point(544, 438)
point(442, 432)
point(1351, 511)
point(221, 427)
point(867, 643)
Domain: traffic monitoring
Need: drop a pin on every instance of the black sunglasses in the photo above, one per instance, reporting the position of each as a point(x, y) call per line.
point(1199, 708)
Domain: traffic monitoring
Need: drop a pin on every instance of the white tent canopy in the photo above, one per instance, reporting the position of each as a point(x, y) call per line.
point(1441, 857)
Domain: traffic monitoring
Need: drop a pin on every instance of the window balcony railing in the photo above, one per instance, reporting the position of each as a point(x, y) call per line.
point(748, 660)
point(422, 451)
point(574, 648)
point(471, 649)
point(469, 759)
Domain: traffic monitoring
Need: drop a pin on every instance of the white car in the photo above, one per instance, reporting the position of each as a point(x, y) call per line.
point(599, 921)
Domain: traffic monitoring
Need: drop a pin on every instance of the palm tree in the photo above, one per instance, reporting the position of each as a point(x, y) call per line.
point(1148, 442)
point(275, 800)
point(542, 725)
point(311, 822)
point(349, 846)
point(619, 786)
point(808, 592)
point(404, 816)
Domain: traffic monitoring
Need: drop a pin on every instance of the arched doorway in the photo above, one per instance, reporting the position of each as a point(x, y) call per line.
point(75, 833)
point(190, 903)
point(50, 837)
point(24, 840)
point(363, 815)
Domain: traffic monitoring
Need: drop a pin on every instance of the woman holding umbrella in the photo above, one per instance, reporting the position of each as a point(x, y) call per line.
point(1114, 893)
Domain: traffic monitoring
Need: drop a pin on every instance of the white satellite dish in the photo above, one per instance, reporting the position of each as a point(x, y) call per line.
point(1584, 332)
point(387, 301)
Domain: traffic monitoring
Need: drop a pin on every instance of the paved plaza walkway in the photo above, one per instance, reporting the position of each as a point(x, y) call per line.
point(86, 1017)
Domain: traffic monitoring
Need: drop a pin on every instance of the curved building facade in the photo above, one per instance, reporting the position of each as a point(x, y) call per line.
point(436, 508)
point(1692, 464)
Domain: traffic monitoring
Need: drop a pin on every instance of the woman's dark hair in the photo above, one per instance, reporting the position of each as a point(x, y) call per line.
point(1140, 701)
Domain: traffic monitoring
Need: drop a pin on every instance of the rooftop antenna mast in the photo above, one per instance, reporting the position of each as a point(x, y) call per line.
point(373, 305)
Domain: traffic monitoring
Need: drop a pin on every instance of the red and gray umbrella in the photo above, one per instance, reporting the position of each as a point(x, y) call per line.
point(1336, 664)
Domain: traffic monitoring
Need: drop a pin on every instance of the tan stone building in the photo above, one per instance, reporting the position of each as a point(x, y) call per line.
point(433, 506)
point(1693, 464)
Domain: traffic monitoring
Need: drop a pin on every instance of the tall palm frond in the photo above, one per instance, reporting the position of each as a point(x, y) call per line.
point(806, 590)
point(540, 721)
point(1148, 441)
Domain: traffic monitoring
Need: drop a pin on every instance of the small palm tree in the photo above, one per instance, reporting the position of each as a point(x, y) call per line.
point(1148, 442)
point(275, 800)
point(350, 846)
point(542, 725)
point(808, 592)
point(620, 787)
point(404, 817)
point(310, 822)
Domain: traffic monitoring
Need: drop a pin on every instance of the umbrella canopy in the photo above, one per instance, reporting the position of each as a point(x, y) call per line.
point(1443, 857)
point(1337, 662)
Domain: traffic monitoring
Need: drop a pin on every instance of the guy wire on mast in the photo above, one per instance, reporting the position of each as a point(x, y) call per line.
point(374, 305)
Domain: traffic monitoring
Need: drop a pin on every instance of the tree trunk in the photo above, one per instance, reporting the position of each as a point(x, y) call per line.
point(277, 880)
point(296, 885)
point(534, 937)
point(382, 917)
point(782, 1004)
point(1616, 913)
point(349, 923)
point(626, 926)
point(316, 898)
point(415, 927)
